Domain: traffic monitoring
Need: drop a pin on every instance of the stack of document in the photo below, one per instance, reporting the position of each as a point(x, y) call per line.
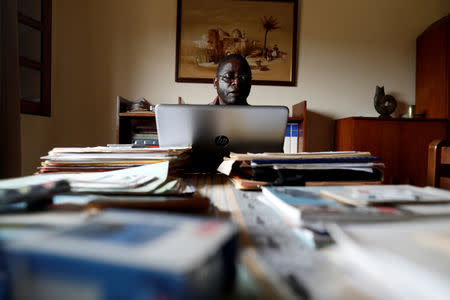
point(310, 168)
point(95, 159)
point(138, 180)
point(161, 192)
point(148, 187)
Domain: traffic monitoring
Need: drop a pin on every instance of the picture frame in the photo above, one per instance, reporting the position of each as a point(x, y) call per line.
point(263, 31)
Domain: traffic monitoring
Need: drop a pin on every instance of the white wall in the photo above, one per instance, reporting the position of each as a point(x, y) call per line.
point(105, 48)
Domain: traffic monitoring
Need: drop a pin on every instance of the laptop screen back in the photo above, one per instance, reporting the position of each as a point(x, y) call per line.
point(221, 129)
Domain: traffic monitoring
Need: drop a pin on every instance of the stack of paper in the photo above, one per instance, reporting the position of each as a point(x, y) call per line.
point(147, 187)
point(95, 159)
point(311, 168)
point(137, 180)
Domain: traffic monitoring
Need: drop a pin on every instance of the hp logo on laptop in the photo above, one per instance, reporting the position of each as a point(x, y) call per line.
point(222, 140)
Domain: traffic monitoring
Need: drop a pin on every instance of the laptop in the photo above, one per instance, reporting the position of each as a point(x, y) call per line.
point(214, 129)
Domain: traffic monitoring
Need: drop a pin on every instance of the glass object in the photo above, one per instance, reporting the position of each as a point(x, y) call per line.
point(230, 77)
point(30, 84)
point(29, 42)
point(30, 8)
point(411, 111)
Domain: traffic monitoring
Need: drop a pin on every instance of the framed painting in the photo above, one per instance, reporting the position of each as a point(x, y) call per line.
point(263, 31)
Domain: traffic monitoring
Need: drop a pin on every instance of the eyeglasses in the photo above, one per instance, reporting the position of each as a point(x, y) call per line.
point(230, 77)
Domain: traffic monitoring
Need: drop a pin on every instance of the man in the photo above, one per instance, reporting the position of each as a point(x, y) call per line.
point(233, 81)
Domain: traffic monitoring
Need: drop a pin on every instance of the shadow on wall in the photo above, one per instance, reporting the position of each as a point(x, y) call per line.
point(402, 106)
point(320, 132)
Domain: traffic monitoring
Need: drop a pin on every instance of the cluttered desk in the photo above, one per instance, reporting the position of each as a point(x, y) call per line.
point(135, 224)
point(132, 222)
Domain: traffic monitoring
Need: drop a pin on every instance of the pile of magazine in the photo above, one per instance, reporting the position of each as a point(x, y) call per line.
point(249, 171)
point(114, 157)
point(149, 186)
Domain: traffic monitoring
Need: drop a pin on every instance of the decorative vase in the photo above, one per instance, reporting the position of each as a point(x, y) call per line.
point(384, 104)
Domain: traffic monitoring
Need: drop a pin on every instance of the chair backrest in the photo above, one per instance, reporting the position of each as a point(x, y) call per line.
point(438, 172)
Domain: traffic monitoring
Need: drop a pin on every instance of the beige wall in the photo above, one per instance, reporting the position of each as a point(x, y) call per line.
point(105, 48)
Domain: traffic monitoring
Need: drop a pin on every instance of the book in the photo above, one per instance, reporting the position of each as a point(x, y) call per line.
point(186, 203)
point(294, 176)
point(252, 184)
point(150, 142)
point(304, 160)
point(306, 205)
point(294, 138)
point(387, 194)
point(76, 169)
point(117, 149)
point(306, 208)
point(287, 139)
point(145, 139)
point(127, 255)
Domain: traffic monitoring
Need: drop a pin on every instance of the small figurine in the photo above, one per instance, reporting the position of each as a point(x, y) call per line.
point(384, 104)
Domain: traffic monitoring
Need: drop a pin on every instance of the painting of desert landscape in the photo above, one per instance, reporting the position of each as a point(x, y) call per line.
point(261, 31)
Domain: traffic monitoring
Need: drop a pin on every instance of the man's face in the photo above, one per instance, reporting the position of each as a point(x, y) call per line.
point(233, 83)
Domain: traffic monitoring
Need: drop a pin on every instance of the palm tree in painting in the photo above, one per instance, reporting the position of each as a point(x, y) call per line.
point(269, 23)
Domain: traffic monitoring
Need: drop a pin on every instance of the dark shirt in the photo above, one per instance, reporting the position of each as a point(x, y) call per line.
point(216, 101)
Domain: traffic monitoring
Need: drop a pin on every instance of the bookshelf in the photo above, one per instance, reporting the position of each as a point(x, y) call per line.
point(129, 123)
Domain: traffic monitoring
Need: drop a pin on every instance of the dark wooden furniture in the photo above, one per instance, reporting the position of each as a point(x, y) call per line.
point(438, 172)
point(299, 116)
point(402, 144)
point(127, 121)
point(433, 70)
point(35, 35)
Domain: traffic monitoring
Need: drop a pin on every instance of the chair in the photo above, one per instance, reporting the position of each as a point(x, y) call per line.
point(438, 171)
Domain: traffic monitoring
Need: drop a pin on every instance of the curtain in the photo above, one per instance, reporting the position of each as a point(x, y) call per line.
point(10, 152)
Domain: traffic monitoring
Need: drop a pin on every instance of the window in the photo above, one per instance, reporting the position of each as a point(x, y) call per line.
point(34, 27)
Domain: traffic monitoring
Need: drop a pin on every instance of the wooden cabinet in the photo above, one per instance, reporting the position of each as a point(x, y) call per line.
point(433, 70)
point(402, 144)
point(129, 123)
